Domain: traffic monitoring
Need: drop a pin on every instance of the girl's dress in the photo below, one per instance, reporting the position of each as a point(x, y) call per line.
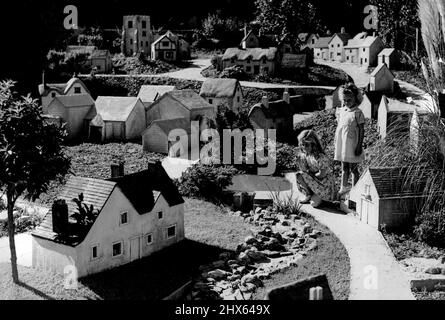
point(322, 187)
point(347, 134)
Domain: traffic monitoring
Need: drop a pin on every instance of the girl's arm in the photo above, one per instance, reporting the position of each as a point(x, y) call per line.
point(361, 135)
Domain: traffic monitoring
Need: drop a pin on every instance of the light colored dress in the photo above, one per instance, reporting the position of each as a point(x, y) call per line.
point(309, 166)
point(347, 134)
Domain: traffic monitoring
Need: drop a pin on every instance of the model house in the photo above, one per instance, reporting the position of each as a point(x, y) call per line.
point(76, 111)
point(382, 79)
point(48, 91)
point(363, 50)
point(390, 57)
point(180, 104)
point(383, 196)
point(336, 46)
point(250, 40)
point(118, 118)
point(276, 114)
point(137, 214)
point(321, 48)
point(308, 40)
point(165, 48)
point(220, 91)
point(150, 93)
point(100, 61)
point(137, 35)
point(394, 117)
point(252, 60)
point(169, 136)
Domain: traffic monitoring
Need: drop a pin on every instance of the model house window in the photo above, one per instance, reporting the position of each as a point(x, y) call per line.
point(171, 232)
point(144, 33)
point(287, 50)
point(332, 45)
point(338, 53)
point(347, 58)
point(366, 60)
point(367, 189)
point(264, 60)
point(94, 252)
point(210, 101)
point(165, 43)
point(266, 69)
point(238, 99)
point(149, 239)
point(248, 60)
point(169, 55)
point(131, 41)
point(364, 49)
point(53, 94)
point(130, 24)
point(117, 249)
point(160, 215)
point(232, 60)
point(313, 41)
point(248, 69)
point(142, 43)
point(338, 45)
point(77, 90)
point(123, 218)
point(146, 43)
point(144, 24)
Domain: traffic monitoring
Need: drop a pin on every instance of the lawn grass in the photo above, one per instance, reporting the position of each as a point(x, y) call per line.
point(330, 258)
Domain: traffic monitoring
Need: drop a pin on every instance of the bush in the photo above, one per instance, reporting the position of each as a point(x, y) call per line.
point(23, 222)
point(430, 228)
point(235, 72)
point(206, 181)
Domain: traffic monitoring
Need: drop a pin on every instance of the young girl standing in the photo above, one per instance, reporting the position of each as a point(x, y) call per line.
point(349, 135)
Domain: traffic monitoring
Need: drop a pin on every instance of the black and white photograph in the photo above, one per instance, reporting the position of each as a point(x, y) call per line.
point(224, 154)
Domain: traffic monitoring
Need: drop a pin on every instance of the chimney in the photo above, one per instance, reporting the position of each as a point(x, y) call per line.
point(342, 30)
point(60, 217)
point(43, 79)
point(286, 97)
point(245, 29)
point(117, 169)
point(265, 101)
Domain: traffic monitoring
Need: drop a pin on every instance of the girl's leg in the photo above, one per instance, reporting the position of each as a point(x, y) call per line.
point(303, 187)
point(344, 176)
point(355, 173)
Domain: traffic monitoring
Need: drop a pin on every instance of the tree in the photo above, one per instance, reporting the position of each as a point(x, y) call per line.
point(91, 37)
point(287, 18)
point(397, 21)
point(31, 154)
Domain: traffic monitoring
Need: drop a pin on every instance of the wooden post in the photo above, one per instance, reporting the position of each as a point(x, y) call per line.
point(417, 41)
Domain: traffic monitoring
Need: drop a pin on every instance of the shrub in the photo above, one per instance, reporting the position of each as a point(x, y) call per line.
point(430, 228)
point(206, 181)
point(235, 72)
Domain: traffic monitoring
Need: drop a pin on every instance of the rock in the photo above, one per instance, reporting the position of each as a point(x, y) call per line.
point(285, 254)
point(266, 231)
point(257, 210)
point(442, 270)
point(256, 256)
point(257, 217)
point(274, 245)
point(271, 254)
point(244, 258)
point(433, 270)
point(281, 217)
point(232, 262)
point(233, 277)
point(218, 264)
point(307, 228)
point(238, 213)
point(242, 247)
point(250, 240)
point(291, 234)
point(251, 279)
point(442, 260)
point(285, 223)
point(248, 287)
point(252, 212)
point(217, 274)
point(311, 245)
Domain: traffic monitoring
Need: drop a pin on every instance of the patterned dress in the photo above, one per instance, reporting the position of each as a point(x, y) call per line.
point(309, 166)
point(347, 134)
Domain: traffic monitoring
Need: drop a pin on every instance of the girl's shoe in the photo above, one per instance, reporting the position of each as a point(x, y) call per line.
point(305, 200)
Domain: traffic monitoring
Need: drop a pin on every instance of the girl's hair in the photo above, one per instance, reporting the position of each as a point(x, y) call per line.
point(311, 136)
point(350, 88)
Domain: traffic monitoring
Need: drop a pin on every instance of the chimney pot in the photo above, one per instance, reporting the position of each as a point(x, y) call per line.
point(265, 101)
point(59, 213)
point(118, 169)
point(343, 30)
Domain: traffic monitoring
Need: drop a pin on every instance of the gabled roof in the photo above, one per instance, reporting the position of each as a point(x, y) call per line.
point(323, 42)
point(81, 49)
point(344, 37)
point(219, 88)
point(149, 93)
point(361, 42)
point(165, 36)
point(75, 100)
point(95, 192)
point(167, 125)
point(249, 34)
point(115, 108)
point(142, 189)
point(387, 51)
point(381, 67)
point(278, 109)
point(189, 99)
point(253, 53)
point(392, 182)
point(61, 88)
point(396, 106)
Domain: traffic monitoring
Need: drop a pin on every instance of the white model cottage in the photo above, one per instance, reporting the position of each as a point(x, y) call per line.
point(220, 91)
point(336, 46)
point(363, 50)
point(138, 214)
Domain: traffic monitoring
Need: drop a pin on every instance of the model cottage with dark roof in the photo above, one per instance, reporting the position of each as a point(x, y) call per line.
point(220, 91)
point(386, 196)
point(136, 215)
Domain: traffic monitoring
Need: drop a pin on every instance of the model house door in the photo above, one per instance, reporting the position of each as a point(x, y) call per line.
point(135, 248)
point(364, 211)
